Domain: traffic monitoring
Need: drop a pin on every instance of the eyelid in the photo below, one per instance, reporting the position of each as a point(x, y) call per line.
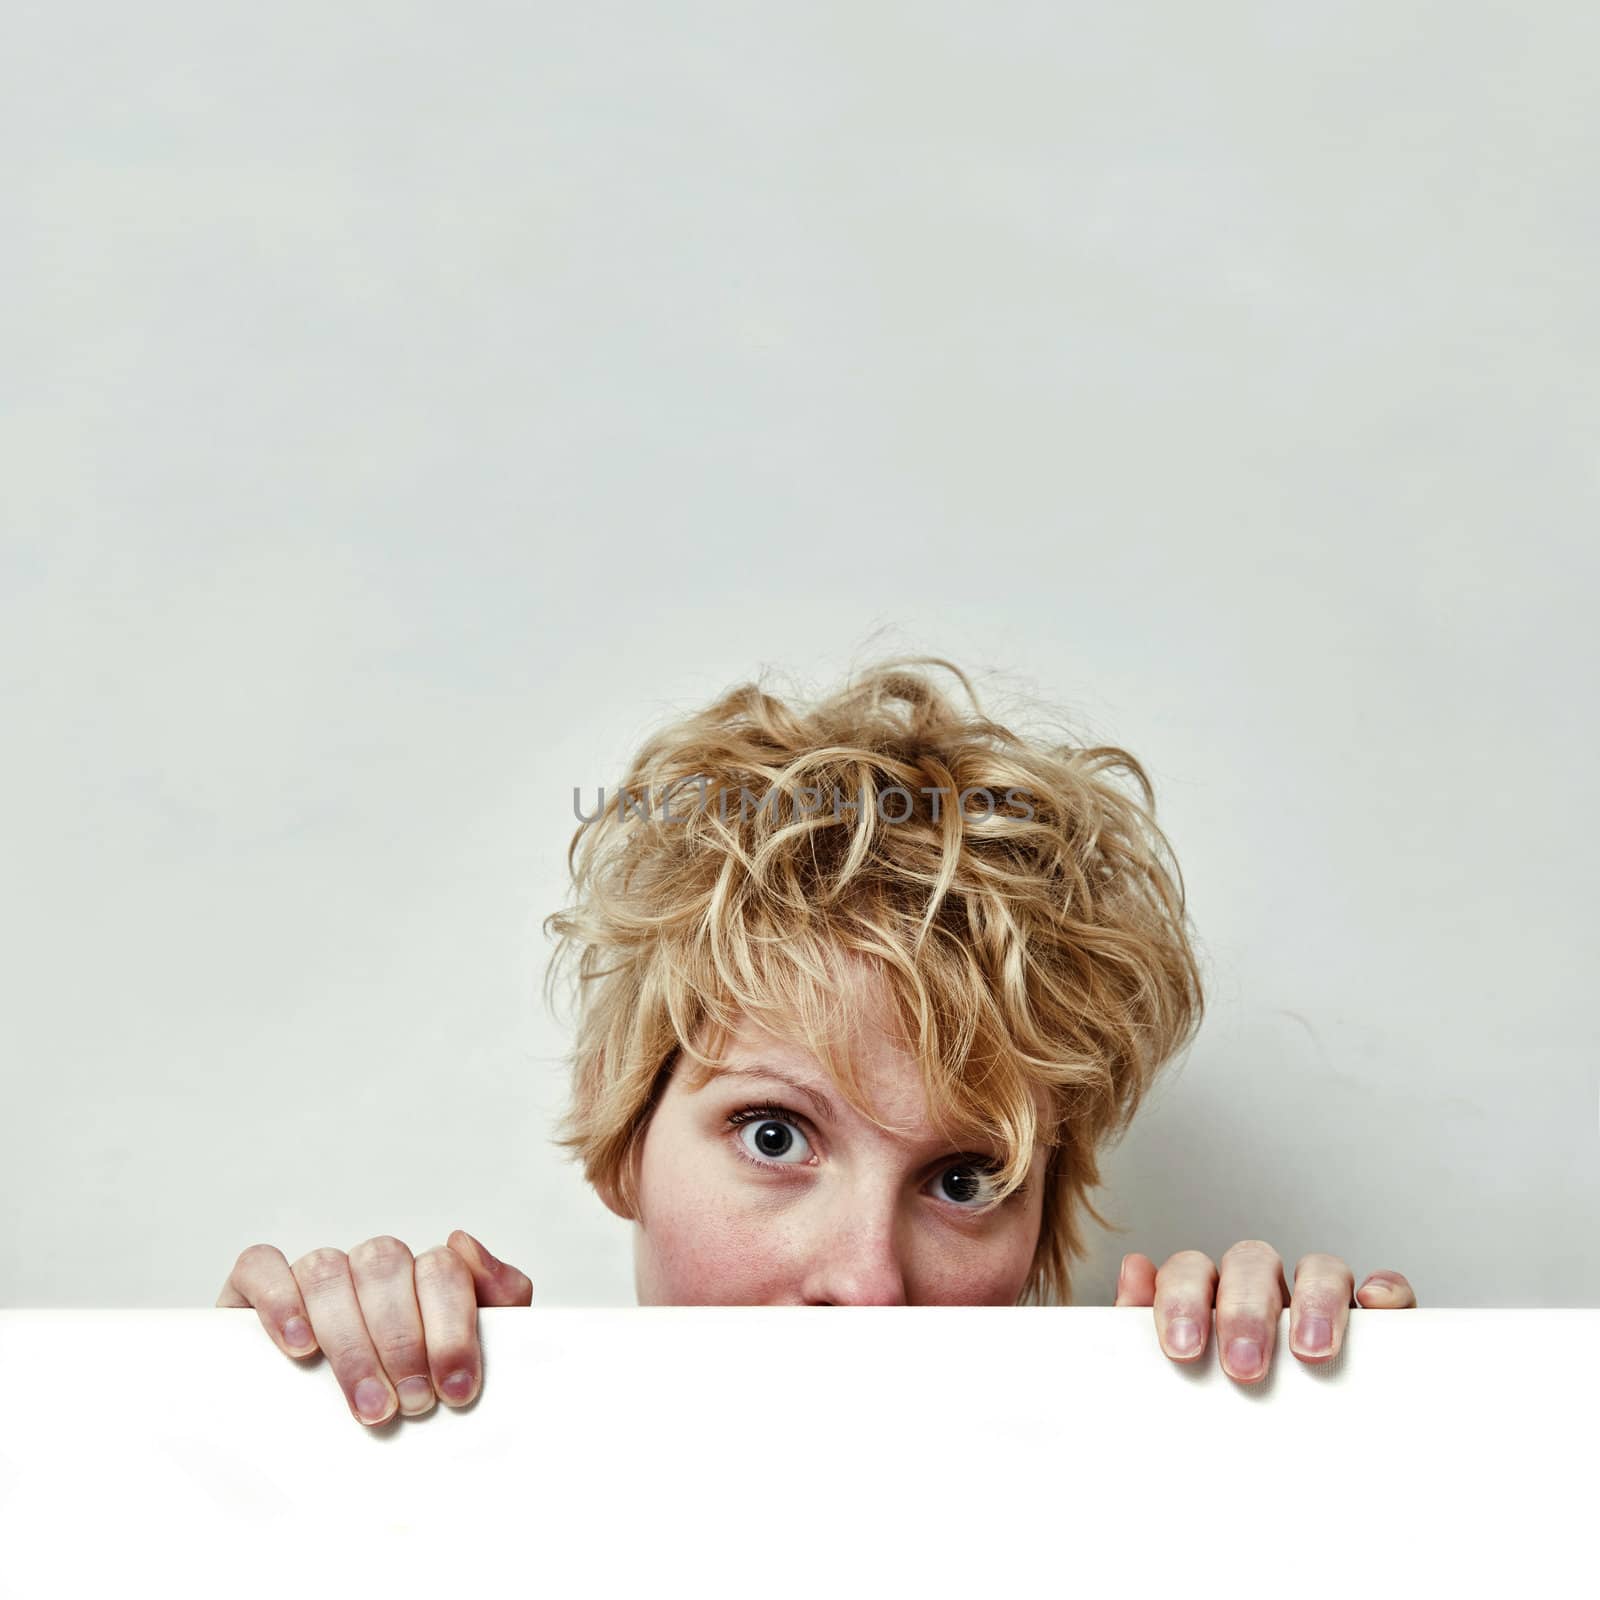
point(770, 1110)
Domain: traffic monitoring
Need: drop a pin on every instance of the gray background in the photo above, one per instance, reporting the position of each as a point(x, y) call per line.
point(409, 406)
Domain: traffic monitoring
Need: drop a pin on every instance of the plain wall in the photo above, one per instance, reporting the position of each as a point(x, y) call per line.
point(407, 407)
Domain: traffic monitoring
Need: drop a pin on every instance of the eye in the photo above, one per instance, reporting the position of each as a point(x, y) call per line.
point(770, 1136)
point(969, 1183)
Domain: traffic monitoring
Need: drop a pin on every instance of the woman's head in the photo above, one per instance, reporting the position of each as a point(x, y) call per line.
point(966, 941)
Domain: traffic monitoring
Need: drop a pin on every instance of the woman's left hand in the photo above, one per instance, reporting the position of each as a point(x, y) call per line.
point(1249, 1294)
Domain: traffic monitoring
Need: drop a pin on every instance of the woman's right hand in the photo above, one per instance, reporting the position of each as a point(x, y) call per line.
point(398, 1330)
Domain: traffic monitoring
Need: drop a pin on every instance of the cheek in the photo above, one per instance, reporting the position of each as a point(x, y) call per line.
point(701, 1242)
point(989, 1274)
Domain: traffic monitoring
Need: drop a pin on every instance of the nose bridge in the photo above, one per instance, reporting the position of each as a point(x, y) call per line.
point(857, 1257)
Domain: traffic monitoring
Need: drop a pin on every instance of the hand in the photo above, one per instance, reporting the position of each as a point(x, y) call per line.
point(1250, 1298)
point(399, 1330)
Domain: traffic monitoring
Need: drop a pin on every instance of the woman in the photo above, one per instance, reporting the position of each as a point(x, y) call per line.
point(864, 989)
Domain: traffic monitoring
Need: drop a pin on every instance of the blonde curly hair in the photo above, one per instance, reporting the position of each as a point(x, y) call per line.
point(1020, 909)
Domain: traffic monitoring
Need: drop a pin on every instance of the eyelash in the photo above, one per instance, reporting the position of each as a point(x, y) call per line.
point(768, 1112)
point(765, 1113)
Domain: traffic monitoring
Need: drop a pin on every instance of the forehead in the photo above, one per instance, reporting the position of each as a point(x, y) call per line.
point(891, 1080)
point(885, 1065)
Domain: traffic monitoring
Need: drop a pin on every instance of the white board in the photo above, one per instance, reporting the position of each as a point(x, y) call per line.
point(766, 1450)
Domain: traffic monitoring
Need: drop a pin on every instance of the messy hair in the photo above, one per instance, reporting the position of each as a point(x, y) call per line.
point(1017, 903)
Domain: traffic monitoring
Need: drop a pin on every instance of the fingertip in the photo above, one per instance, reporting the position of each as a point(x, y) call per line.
point(488, 1262)
point(458, 1388)
point(374, 1402)
point(1389, 1293)
point(508, 1287)
point(298, 1339)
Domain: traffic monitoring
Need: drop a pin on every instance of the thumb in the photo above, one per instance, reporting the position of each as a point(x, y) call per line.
point(496, 1282)
point(1136, 1286)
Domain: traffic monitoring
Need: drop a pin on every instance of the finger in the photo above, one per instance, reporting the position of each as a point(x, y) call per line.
point(1136, 1283)
point(1185, 1287)
point(381, 1270)
point(1319, 1308)
point(1251, 1295)
point(261, 1278)
point(330, 1297)
point(496, 1283)
point(450, 1316)
point(1387, 1291)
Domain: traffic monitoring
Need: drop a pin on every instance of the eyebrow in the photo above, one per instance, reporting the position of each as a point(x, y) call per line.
point(823, 1105)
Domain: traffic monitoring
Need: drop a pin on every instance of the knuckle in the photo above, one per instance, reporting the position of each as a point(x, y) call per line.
point(1236, 1303)
point(1236, 1328)
point(399, 1345)
point(255, 1256)
point(1252, 1293)
point(351, 1352)
point(1189, 1262)
point(442, 1265)
point(321, 1266)
point(1320, 1263)
point(1252, 1250)
point(1327, 1310)
point(381, 1255)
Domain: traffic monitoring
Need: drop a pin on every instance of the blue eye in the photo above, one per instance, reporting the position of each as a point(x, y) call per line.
point(775, 1137)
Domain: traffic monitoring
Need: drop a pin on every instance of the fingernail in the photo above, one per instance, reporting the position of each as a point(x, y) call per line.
point(1244, 1358)
point(488, 1260)
point(372, 1399)
point(1183, 1336)
point(458, 1385)
point(297, 1334)
point(1122, 1272)
point(416, 1394)
point(1316, 1335)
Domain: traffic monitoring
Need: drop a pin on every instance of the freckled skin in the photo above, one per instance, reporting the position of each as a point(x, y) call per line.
point(851, 1215)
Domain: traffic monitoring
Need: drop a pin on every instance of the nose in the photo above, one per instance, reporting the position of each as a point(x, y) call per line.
point(856, 1260)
